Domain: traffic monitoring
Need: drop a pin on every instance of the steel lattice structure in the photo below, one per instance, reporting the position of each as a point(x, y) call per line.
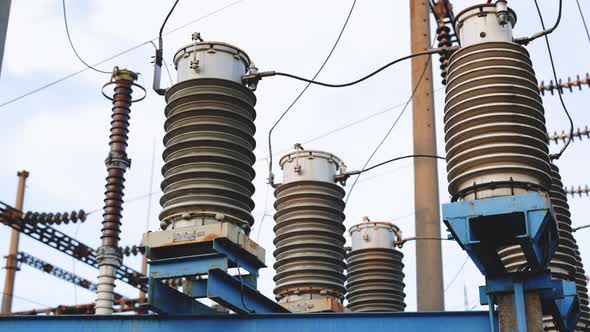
point(64, 243)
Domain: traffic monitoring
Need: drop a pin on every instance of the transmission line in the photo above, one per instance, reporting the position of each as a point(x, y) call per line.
point(59, 80)
point(72, 44)
point(270, 175)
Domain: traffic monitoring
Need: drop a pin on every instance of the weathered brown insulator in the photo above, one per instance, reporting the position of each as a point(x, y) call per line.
point(109, 256)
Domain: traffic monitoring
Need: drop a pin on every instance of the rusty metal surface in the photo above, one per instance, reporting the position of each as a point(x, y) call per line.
point(121, 305)
point(325, 304)
point(429, 273)
point(13, 246)
point(208, 156)
point(494, 121)
point(64, 243)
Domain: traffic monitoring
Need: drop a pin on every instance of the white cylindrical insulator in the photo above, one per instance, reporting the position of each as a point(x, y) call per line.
point(480, 24)
point(209, 59)
point(495, 134)
point(309, 232)
point(105, 290)
point(209, 141)
point(375, 275)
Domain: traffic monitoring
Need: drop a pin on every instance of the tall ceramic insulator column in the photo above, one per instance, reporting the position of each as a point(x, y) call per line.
point(309, 233)
point(109, 256)
point(209, 139)
point(374, 268)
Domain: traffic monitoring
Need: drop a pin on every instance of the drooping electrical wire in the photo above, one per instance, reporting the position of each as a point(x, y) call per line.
point(364, 78)
point(392, 126)
point(583, 19)
point(270, 174)
point(456, 274)
point(400, 158)
point(72, 44)
point(133, 48)
point(569, 117)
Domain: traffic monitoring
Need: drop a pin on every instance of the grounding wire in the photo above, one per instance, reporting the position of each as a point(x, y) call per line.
point(583, 19)
point(559, 92)
point(160, 40)
point(63, 2)
point(392, 126)
point(270, 175)
point(133, 48)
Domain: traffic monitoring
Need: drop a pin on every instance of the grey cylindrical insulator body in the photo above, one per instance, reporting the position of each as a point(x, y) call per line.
point(209, 141)
point(309, 231)
point(495, 134)
point(375, 278)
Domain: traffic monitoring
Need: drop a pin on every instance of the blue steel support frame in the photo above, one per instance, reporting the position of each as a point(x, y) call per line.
point(470, 321)
point(237, 293)
point(481, 227)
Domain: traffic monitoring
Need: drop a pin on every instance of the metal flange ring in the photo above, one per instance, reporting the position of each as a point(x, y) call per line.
point(132, 84)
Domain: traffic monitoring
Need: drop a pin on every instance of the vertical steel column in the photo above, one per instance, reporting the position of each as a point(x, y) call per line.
point(13, 248)
point(428, 253)
point(109, 255)
point(4, 14)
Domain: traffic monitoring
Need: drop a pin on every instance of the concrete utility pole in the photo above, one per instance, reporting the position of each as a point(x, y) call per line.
point(13, 249)
point(4, 14)
point(426, 202)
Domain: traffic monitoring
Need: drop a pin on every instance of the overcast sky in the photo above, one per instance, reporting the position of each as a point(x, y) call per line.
point(60, 134)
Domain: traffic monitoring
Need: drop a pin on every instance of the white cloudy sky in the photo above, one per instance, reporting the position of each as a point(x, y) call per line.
point(60, 135)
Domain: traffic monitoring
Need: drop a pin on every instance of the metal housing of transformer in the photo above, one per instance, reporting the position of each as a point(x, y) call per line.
point(309, 233)
point(209, 139)
point(375, 278)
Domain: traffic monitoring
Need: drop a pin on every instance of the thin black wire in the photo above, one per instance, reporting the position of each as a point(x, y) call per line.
point(160, 40)
point(559, 92)
point(26, 300)
point(364, 78)
point(72, 44)
point(400, 158)
point(242, 292)
point(59, 80)
point(305, 89)
point(583, 19)
point(456, 274)
point(392, 126)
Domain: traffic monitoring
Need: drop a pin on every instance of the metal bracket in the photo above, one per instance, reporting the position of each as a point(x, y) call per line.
point(482, 227)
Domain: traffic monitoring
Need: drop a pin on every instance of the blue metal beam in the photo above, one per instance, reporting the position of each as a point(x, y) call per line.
point(187, 265)
point(238, 296)
point(165, 300)
point(471, 321)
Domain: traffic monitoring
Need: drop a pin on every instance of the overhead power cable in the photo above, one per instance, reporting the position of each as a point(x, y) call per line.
point(456, 274)
point(392, 126)
point(583, 20)
point(270, 174)
point(364, 78)
point(571, 121)
point(72, 44)
point(43, 87)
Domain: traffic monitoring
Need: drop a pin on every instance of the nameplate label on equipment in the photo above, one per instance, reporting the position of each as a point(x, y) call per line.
point(184, 236)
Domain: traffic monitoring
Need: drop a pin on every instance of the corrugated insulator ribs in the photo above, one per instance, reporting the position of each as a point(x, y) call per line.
point(496, 139)
point(109, 256)
point(561, 86)
point(375, 278)
point(309, 233)
point(209, 155)
point(55, 218)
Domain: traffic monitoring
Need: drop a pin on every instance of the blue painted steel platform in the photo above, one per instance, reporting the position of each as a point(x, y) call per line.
point(325, 322)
